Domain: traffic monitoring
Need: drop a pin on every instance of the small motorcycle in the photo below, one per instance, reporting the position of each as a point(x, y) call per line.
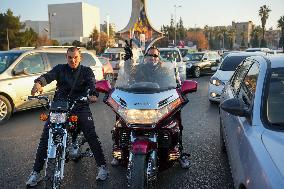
point(147, 134)
point(62, 125)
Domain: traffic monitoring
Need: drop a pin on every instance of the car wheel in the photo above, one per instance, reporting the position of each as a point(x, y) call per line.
point(5, 109)
point(196, 72)
point(222, 142)
point(109, 77)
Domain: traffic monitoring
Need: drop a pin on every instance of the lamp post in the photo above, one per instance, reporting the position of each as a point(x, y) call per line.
point(8, 42)
point(49, 22)
point(175, 6)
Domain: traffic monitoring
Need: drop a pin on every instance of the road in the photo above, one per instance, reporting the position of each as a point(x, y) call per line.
point(209, 168)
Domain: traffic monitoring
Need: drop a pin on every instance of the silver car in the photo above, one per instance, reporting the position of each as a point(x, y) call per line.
point(252, 123)
point(19, 69)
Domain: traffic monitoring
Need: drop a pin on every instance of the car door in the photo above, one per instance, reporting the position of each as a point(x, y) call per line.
point(230, 123)
point(94, 63)
point(25, 72)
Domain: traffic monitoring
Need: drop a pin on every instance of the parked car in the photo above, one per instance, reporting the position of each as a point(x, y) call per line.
point(224, 73)
point(116, 58)
point(107, 69)
point(19, 69)
point(201, 62)
point(258, 49)
point(252, 123)
point(174, 55)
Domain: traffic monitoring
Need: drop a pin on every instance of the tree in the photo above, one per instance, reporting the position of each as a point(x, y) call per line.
point(197, 37)
point(9, 29)
point(256, 36)
point(264, 14)
point(281, 25)
point(28, 38)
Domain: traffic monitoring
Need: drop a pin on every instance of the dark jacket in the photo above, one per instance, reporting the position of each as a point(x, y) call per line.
point(65, 76)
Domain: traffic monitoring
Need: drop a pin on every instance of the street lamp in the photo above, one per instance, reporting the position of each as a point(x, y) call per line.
point(49, 22)
point(175, 6)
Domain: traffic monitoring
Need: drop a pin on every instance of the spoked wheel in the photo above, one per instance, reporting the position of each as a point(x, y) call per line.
point(53, 171)
point(109, 77)
point(5, 109)
point(196, 72)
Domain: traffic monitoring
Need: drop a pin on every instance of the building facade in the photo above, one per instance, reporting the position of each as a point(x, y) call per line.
point(72, 21)
point(272, 38)
point(243, 33)
point(40, 27)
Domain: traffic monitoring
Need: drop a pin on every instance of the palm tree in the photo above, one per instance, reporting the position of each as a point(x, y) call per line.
point(255, 36)
point(231, 37)
point(281, 25)
point(264, 14)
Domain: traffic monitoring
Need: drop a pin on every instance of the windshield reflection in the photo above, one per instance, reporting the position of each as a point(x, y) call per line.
point(146, 77)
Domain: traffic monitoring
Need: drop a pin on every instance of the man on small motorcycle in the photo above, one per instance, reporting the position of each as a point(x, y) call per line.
point(152, 64)
point(73, 81)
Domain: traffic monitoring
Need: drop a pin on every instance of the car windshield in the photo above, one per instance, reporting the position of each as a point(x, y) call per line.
point(103, 60)
point(146, 77)
point(230, 63)
point(195, 56)
point(6, 59)
point(275, 99)
point(111, 56)
point(170, 55)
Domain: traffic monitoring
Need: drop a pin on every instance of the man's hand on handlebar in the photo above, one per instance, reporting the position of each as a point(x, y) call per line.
point(37, 88)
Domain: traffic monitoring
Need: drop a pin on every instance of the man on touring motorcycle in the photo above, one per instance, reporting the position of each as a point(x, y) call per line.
point(154, 66)
point(73, 81)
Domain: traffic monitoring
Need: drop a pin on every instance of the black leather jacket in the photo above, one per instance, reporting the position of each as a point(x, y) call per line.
point(65, 76)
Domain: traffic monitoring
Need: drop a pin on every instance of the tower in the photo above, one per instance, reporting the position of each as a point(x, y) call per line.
point(139, 28)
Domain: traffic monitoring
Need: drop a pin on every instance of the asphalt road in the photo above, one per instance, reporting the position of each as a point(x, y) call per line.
point(209, 168)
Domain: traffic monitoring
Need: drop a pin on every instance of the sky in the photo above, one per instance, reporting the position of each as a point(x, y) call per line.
point(194, 13)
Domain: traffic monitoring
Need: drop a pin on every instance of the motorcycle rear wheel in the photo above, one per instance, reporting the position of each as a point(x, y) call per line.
point(53, 167)
point(138, 172)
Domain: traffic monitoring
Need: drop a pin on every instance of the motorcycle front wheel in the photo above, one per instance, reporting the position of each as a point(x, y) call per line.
point(52, 174)
point(138, 172)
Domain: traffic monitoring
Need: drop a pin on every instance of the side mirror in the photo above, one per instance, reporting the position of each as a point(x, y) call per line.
point(204, 59)
point(185, 59)
point(103, 86)
point(214, 68)
point(188, 86)
point(235, 107)
point(20, 72)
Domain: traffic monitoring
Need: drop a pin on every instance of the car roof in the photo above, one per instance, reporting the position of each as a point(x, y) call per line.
point(276, 60)
point(246, 54)
point(168, 49)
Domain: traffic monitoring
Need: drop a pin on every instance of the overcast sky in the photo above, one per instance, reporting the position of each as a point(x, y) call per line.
point(193, 12)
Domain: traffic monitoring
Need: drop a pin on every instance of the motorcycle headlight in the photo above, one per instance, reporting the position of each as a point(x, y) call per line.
point(58, 117)
point(216, 81)
point(147, 117)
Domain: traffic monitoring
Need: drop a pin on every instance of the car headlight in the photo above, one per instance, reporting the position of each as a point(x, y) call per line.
point(58, 117)
point(188, 65)
point(216, 81)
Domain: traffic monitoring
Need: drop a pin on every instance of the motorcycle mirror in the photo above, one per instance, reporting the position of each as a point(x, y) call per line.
point(188, 86)
point(103, 86)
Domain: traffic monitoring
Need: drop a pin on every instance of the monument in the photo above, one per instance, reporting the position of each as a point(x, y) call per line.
point(139, 28)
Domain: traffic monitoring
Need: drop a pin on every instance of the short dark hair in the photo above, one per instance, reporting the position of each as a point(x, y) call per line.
point(152, 48)
point(74, 49)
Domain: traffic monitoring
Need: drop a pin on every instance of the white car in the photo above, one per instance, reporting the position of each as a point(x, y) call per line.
point(224, 73)
point(19, 69)
point(174, 55)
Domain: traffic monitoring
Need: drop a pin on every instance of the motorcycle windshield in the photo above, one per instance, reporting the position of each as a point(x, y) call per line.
point(146, 76)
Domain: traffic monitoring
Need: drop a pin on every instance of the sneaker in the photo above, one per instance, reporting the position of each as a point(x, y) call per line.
point(184, 161)
point(114, 162)
point(74, 151)
point(103, 173)
point(34, 178)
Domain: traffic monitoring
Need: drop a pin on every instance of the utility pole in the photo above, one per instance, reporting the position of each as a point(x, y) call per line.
point(175, 6)
point(8, 43)
point(49, 22)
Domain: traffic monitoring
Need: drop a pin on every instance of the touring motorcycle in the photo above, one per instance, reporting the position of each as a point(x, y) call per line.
point(147, 101)
point(62, 126)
